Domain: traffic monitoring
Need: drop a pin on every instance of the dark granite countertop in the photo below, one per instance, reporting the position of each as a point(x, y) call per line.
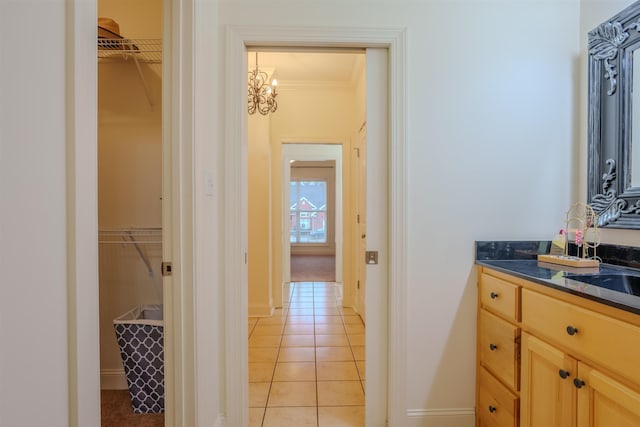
point(520, 259)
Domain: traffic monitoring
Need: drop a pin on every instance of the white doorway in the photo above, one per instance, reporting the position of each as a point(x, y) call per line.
point(310, 153)
point(380, 394)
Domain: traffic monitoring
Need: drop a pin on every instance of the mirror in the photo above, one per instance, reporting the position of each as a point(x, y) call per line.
point(614, 125)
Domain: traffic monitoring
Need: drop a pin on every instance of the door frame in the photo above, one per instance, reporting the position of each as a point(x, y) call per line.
point(81, 108)
point(236, 235)
point(312, 151)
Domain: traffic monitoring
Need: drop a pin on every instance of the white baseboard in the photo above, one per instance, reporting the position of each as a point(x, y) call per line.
point(113, 379)
point(448, 417)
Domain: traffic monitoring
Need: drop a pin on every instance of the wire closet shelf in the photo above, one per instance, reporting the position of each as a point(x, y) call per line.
point(148, 51)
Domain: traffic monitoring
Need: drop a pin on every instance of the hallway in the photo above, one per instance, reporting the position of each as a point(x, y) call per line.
point(307, 362)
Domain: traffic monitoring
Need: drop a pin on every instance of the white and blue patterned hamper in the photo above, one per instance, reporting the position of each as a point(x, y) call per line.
point(140, 336)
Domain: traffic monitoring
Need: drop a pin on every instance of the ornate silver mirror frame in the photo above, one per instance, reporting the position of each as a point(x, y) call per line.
point(613, 191)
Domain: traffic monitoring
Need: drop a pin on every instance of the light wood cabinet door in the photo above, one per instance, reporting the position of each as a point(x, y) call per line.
point(603, 402)
point(548, 396)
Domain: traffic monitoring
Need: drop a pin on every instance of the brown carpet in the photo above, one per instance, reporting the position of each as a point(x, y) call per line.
point(313, 268)
point(116, 411)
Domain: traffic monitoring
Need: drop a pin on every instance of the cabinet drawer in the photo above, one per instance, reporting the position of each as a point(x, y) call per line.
point(499, 348)
point(497, 406)
point(613, 344)
point(499, 296)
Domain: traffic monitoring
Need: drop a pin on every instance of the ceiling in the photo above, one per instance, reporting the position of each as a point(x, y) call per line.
point(300, 67)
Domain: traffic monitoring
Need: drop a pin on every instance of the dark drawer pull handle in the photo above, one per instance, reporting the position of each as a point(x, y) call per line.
point(492, 409)
point(578, 383)
point(563, 374)
point(571, 330)
point(493, 295)
point(492, 347)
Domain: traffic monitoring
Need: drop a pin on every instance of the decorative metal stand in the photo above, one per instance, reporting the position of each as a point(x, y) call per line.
point(581, 222)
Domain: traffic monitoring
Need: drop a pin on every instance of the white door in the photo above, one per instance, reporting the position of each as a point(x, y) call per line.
point(377, 236)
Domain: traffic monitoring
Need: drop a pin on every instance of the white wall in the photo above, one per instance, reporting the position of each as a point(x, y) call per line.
point(33, 287)
point(259, 227)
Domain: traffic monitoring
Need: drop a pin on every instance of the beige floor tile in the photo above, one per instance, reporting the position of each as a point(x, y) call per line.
point(358, 352)
point(271, 321)
point(329, 329)
point(258, 393)
point(325, 293)
point(361, 369)
point(324, 304)
point(302, 294)
point(299, 304)
point(353, 320)
point(265, 340)
point(295, 371)
point(327, 311)
point(267, 330)
point(300, 393)
point(300, 311)
point(305, 294)
point(290, 417)
point(353, 329)
point(297, 354)
point(333, 354)
point(263, 354)
point(328, 320)
point(341, 416)
point(305, 329)
point(336, 340)
point(255, 417)
point(340, 393)
point(330, 371)
point(299, 320)
point(261, 371)
point(298, 341)
point(357, 339)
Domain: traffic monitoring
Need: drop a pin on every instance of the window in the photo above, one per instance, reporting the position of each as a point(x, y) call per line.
point(308, 212)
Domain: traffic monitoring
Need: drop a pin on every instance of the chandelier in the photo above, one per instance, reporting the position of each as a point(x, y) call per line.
point(262, 96)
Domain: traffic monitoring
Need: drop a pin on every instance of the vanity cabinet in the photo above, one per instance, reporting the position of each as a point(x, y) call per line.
point(573, 363)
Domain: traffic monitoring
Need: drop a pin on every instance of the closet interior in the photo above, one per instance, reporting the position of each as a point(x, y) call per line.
point(130, 210)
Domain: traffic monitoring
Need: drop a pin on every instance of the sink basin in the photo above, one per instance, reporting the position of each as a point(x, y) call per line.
point(624, 283)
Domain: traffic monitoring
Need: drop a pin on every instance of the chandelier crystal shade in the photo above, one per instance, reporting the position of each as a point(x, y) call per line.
point(262, 96)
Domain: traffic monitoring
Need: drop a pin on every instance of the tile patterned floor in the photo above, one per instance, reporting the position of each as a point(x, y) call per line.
point(306, 363)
